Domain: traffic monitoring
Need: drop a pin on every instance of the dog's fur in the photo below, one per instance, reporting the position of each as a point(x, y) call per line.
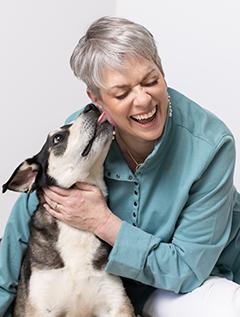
point(62, 274)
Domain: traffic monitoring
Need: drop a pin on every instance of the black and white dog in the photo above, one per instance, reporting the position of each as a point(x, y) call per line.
point(62, 274)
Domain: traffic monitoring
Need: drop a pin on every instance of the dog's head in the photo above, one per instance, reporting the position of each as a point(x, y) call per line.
point(75, 152)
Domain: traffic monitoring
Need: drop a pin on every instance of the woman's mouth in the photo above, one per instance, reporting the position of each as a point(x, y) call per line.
point(146, 117)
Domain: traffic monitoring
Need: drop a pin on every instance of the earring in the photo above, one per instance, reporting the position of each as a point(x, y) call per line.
point(113, 134)
point(170, 110)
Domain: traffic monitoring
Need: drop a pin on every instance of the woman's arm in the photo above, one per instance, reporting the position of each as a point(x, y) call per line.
point(201, 232)
point(12, 249)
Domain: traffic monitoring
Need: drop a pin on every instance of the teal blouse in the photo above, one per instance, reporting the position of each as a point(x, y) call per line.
point(180, 211)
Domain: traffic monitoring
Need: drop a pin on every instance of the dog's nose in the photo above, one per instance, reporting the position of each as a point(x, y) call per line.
point(90, 107)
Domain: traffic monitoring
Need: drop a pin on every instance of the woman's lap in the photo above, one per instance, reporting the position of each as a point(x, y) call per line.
point(217, 297)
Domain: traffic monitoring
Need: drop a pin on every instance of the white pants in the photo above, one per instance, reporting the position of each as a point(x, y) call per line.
point(217, 297)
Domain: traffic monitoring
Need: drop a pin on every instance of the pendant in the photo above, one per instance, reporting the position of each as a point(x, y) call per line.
point(138, 166)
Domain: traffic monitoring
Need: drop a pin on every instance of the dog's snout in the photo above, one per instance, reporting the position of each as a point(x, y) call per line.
point(90, 107)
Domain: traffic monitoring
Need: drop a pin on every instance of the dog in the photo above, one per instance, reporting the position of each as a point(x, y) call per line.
point(62, 274)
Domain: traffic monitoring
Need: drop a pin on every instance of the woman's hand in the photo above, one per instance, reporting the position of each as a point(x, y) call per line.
point(83, 207)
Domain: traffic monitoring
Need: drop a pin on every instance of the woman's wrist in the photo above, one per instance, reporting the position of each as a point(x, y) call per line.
point(109, 230)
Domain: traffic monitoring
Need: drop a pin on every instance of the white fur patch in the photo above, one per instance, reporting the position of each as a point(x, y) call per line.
point(77, 288)
point(71, 167)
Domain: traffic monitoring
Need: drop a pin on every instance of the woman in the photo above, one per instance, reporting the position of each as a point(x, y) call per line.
point(173, 213)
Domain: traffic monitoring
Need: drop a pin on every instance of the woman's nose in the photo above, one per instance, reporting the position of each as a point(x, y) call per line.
point(141, 97)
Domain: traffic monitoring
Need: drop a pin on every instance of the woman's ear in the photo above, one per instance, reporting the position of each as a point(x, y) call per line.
point(94, 99)
point(99, 104)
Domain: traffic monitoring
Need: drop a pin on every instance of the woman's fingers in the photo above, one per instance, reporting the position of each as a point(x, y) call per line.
point(85, 186)
point(52, 195)
point(53, 212)
point(53, 204)
point(60, 191)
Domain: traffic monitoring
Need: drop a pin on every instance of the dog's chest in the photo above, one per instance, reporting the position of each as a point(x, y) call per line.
point(78, 249)
point(75, 284)
point(56, 245)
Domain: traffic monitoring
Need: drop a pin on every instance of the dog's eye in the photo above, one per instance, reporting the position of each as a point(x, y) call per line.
point(57, 138)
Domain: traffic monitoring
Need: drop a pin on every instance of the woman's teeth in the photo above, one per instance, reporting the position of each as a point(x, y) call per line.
point(143, 118)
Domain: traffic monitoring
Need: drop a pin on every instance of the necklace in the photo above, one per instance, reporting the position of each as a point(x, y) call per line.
point(133, 159)
point(130, 154)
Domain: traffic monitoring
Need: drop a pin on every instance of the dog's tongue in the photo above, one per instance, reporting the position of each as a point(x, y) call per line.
point(103, 117)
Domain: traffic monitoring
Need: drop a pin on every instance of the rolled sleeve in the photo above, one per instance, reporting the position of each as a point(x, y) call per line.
point(130, 250)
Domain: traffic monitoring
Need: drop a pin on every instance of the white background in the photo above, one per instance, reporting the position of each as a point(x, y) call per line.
point(198, 42)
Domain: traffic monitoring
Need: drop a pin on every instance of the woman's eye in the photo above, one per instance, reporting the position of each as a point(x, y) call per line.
point(120, 97)
point(151, 83)
point(57, 138)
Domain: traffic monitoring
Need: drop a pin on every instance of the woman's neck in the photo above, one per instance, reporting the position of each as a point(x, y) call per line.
point(135, 151)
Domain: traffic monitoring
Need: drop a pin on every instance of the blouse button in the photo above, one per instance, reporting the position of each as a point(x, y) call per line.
point(134, 214)
point(135, 203)
point(135, 192)
point(117, 175)
point(130, 177)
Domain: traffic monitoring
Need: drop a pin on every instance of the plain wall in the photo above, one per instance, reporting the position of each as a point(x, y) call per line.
point(197, 40)
point(37, 87)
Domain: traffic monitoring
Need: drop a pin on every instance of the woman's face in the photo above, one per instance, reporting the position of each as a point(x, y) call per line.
point(136, 99)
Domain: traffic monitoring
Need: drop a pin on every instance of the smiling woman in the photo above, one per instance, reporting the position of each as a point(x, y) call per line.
point(173, 214)
point(136, 100)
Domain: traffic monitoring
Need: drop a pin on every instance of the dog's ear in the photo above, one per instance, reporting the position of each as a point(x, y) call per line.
point(23, 178)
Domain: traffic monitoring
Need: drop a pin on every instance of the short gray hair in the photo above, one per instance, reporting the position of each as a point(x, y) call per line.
point(106, 42)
